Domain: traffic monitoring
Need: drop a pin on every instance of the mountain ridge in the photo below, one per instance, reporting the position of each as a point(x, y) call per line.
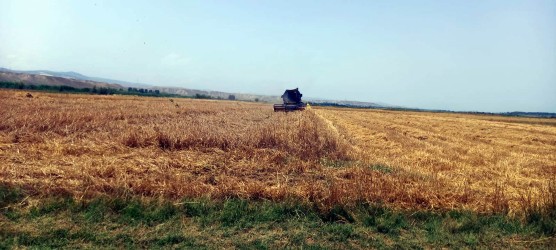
point(49, 76)
point(77, 80)
point(76, 75)
point(46, 79)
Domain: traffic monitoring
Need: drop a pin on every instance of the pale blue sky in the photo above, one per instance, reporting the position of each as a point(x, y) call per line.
point(457, 55)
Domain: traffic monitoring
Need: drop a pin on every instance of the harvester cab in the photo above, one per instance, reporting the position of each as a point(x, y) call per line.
point(292, 101)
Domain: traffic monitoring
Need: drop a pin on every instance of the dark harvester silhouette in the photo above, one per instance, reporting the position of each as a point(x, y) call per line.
point(292, 101)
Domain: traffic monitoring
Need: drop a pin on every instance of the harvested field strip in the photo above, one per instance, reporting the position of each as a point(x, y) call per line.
point(457, 159)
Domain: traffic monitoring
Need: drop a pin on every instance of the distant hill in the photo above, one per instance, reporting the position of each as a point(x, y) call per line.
point(74, 79)
point(77, 76)
point(78, 80)
point(219, 94)
point(345, 103)
point(45, 79)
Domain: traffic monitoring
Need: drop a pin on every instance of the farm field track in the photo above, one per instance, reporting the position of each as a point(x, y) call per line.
point(86, 146)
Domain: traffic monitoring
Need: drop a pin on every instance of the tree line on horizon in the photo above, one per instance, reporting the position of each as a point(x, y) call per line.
point(107, 91)
point(94, 90)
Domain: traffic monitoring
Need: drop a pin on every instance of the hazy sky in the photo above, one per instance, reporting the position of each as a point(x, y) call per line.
point(458, 55)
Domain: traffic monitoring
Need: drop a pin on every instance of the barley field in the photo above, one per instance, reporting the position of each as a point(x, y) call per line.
point(86, 146)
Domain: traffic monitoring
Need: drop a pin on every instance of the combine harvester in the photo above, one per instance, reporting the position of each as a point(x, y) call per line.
point(292, 101)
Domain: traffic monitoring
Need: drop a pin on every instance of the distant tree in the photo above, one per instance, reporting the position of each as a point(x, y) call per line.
point(150, 90)
point(66, 88)
point(257, 99)
point(156, 91)
point(94, 90)
point(203, 96)
point(129, 89)
point(135, 90)
point(231, 97)
point(104, 91)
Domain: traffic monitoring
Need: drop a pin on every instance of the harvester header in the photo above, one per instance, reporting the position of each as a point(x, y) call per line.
point(292, 101)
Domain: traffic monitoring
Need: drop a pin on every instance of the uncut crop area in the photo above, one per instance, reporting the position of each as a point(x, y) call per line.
point(87, 146)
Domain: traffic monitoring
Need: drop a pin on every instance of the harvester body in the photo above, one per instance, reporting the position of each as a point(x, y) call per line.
point(292, 101)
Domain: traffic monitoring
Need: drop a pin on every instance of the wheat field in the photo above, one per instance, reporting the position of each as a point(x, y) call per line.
point(479, 162)
point(88, 145)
